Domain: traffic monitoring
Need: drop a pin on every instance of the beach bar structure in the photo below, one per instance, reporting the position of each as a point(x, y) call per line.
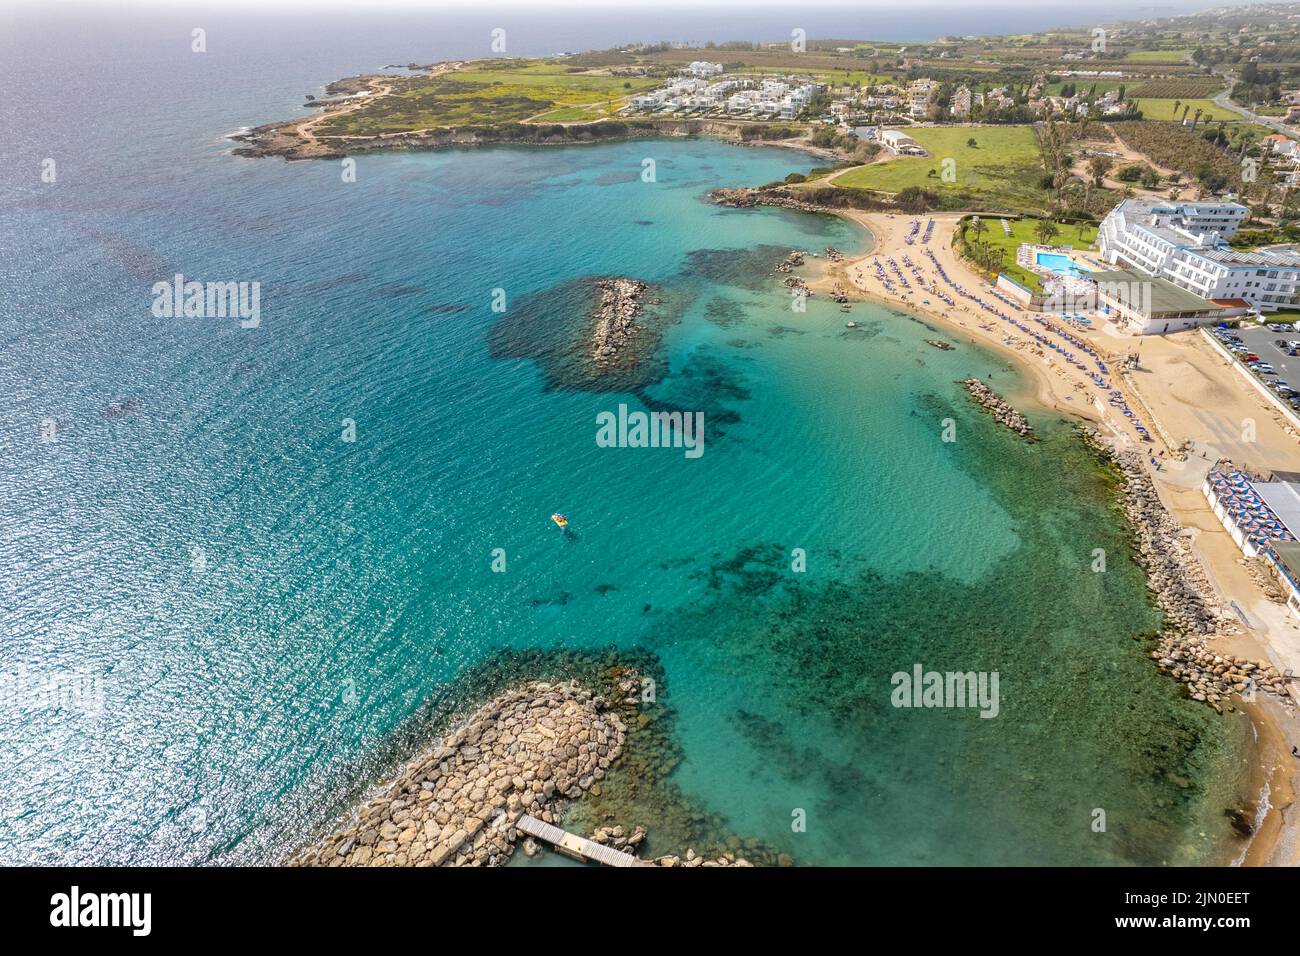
point(1263, 518)
point(1148, 305)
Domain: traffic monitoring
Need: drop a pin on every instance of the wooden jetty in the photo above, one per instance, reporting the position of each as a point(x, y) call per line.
point(572, 845)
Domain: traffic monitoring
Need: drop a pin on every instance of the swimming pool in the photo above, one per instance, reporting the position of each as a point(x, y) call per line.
point(1061, 265)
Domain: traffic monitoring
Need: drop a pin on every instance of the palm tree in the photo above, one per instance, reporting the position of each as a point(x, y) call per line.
point(1045, 231)
point(1197, 118)
point(1177, 103)
point(1186, 110)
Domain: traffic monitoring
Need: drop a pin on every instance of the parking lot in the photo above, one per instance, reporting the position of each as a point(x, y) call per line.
point(1268, 353)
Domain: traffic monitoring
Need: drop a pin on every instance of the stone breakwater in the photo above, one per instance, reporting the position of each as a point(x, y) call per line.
point(615, 318)
point(526, 751)
point(1002, 413)
point(1183, 591)
point(531, 749)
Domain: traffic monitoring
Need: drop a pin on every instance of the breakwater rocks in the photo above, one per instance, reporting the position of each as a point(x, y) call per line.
point(620, 838)
point(526, 751)
point(791, 262)
point(1183, 591)
point(615, 316)
point(786, 268)
point(1002, 413)
point(1174, 574)
point(1212, 677)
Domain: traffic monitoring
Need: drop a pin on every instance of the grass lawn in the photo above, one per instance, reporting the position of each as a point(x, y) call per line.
point(1282, 315)
point(488, 95)
point(1022, 231)
point(1002, 169)
point(1163, 109)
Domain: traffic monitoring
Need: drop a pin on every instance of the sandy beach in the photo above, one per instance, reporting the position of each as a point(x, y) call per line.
point(1185, 393)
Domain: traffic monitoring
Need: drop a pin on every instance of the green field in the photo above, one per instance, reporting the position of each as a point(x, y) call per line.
point(1002, 170)
point(1083, 84)
point(1163, 109)
point(487, 95)
point(1157, 56)
point(1022, 231)
point(840, 76)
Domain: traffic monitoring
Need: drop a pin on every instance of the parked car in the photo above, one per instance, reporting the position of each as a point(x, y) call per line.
point(1251, 357)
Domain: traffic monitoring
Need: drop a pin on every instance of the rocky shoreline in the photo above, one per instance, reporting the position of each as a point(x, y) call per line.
point(1002, 412)
point(615, 326)
point(1183, 591)
point(748, 197)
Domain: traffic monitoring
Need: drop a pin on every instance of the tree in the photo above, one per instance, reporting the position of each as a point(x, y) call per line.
point(1099, 166)
point(972, 144)
point(1196, 119)
point(1186, 110)
point(1177, 103)
point(1045, 231)
point(978, 227)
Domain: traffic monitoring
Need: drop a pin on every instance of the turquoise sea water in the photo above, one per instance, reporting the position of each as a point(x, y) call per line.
point(262, 603)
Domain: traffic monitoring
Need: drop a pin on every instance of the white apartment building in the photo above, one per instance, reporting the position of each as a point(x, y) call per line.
point(918, 97)
point(703, 69)
point(740, 102)
point(961, 102)
point(1185, 242)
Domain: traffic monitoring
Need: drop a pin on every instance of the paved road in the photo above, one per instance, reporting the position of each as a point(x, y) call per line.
point(1272, 122)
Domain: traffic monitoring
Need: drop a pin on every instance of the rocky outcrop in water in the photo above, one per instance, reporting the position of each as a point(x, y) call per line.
point(526, 751)
point(790, 262)
point(1002, 413)
point(615, 318)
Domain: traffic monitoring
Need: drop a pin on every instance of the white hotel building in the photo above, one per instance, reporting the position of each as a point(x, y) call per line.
point(1185, 243)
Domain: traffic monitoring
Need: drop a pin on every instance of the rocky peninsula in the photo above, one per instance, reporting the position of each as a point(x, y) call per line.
point(526, 751)
point(531, 749)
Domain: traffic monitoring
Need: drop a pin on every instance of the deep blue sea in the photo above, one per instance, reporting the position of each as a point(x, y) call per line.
point(261, 605)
